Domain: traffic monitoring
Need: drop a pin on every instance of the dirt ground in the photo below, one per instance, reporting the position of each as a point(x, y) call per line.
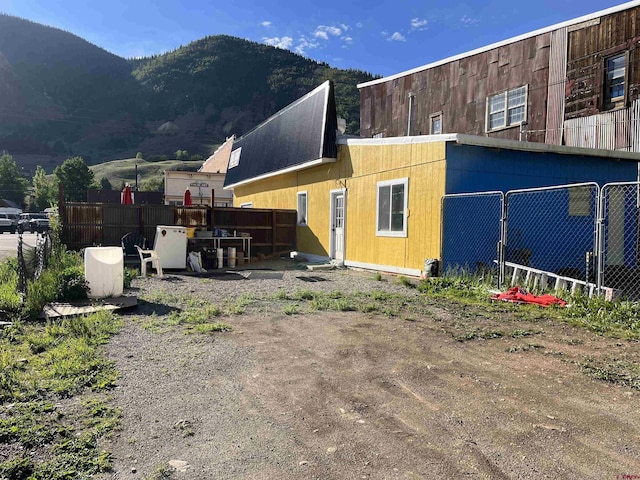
point(349, 395)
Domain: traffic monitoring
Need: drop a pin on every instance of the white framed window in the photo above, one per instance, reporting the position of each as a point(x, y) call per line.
point(507, 109)
point(615, 80)
point(234, 158)
point(391, 208)
point(435, 123)
point(302, 208)
point(378, 135)
point(246, 205)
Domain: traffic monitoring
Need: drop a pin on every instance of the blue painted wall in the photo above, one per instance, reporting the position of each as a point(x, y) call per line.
point(475, 169)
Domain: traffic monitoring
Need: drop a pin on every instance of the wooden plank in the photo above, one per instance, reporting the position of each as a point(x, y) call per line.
point(85, 307)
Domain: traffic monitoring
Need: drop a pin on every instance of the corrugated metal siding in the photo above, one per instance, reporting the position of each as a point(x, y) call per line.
point(609, 130)
point(556, 90)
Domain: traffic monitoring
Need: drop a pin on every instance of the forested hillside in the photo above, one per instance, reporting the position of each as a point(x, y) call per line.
point(66, 96)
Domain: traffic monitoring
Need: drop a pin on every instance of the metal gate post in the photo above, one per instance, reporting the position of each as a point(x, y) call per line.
point(503, 240)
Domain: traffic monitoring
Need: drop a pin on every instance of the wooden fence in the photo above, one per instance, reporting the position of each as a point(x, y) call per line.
point(91, 224)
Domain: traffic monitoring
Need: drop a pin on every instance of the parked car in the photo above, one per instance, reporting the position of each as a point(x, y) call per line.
point(8, 223)
point(39, 222)
point(33, 222)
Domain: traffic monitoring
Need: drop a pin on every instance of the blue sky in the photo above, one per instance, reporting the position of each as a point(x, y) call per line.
point(381, 37)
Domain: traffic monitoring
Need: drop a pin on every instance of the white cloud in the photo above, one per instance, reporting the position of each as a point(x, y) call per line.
point(266, 23)
point(359, 24)
point(304, 44)
point(468, 20)
point(324, 31)
point(284, 42)
point(395, 37)
point(419, 24)
point(346, 39)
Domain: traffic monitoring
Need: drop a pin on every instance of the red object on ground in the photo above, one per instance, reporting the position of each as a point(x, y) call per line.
point(519, 295)
point(126, 197)
point(187, 197)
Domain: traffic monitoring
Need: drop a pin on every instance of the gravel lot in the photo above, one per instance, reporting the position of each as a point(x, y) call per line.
point(341, 395)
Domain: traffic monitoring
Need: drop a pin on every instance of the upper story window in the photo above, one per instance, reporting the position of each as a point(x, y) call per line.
point(507, 109)
point(615, 80)
point(435, 123)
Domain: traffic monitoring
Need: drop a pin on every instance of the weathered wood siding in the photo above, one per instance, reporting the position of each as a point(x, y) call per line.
point(588, 47)
point(459, 90)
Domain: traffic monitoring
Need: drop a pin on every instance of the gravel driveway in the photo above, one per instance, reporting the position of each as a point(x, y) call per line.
point(347, 394)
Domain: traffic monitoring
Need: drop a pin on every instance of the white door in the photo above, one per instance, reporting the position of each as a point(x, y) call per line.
point(337, 225)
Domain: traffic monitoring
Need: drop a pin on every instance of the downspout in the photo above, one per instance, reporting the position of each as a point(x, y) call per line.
point(411, 97)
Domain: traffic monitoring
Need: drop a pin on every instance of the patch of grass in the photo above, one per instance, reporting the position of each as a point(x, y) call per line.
point(193, 315)
point(377, 277)
point(620, 372)
point(303, 294)
point(290, 309)
point(206, 328)
point(404, 281)
point(10, 300)
point(57, 358)
point(162, 472)
point(129, 275)
point(617, 319)
point(524, 348)
point(281, 295)
point(478, 334)
point(40, 365)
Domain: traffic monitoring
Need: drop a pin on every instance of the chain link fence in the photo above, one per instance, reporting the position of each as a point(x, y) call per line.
point(619, 238)
point(552, 229)
point(471, 232)
point(32, 261)
point(576, 236)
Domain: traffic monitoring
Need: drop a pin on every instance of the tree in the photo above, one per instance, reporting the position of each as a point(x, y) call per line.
point(139, 155)
point(45, 190)
point(12, 185)
point(154, 184)
point(106, 184)
point(75, 178)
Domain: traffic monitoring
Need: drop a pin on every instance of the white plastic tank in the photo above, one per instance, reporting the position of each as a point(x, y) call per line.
point(231, 257)
point(220, 254)
point(104, 271)
point(171, 246)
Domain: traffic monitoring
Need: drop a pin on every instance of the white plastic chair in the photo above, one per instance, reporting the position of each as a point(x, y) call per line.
point(152, 258)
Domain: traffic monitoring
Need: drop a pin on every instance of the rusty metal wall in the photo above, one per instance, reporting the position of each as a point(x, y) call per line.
point(556, 90)
point(459, 90)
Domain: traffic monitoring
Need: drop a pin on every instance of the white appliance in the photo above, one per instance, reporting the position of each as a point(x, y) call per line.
point(171, 246)
point(104, 271)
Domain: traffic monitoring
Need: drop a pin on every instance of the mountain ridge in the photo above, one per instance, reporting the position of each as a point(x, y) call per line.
point(69, 97)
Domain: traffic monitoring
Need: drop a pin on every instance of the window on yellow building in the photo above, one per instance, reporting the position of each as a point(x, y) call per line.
point(391, 209)
point(302, 208)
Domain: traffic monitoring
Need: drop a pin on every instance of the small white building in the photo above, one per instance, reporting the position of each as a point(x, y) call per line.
point(200, 184)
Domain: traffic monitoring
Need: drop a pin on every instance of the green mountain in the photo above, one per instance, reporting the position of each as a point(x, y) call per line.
point(64, 96)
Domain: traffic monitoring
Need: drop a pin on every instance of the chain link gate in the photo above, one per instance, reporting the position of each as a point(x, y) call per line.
point(619, 238)
point(471, 232)
point(552, 230)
